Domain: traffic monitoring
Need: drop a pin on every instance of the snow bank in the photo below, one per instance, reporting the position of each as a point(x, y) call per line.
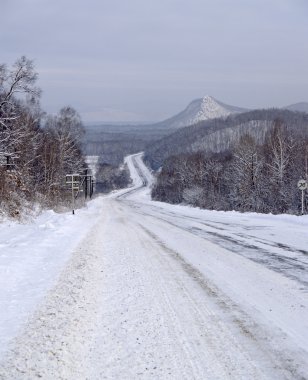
point(32, 256)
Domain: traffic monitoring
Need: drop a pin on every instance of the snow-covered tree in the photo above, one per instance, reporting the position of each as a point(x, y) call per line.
point(17, 85)
point(280, 152)
point(246, 172)
point(33, 160)
point(61, 149)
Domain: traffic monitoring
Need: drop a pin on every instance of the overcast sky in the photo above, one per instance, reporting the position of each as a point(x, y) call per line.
point(147, 59)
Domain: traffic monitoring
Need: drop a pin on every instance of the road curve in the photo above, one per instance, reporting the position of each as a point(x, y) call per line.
point(149, 295)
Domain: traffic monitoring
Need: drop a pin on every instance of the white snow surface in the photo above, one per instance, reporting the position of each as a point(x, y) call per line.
point(130, 288)
point(210, 109)
point(31, 257)
point(201, 109)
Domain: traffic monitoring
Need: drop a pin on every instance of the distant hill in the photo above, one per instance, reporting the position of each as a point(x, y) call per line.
point(300, 107)
point(218, 135)
point(198, 110)
point(205, 108)
point(205, 124)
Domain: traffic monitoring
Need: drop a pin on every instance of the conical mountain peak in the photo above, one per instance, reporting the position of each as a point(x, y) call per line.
point(204, 108)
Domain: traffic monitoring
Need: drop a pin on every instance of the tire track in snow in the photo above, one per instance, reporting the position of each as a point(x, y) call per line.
point(255, 249)
point(145, 341)
point(293, 268)
point(253, 356)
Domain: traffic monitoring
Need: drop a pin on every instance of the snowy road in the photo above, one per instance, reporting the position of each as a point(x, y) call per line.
point(157, 291)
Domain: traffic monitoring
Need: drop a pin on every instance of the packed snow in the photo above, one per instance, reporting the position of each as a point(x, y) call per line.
point(130, 288)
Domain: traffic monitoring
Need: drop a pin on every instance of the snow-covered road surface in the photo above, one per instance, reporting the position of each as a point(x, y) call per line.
point(157, 291)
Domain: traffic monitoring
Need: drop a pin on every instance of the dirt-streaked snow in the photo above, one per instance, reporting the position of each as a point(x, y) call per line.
point(131, 288)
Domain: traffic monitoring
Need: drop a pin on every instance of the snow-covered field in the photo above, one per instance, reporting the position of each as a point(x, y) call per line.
point(129, 288)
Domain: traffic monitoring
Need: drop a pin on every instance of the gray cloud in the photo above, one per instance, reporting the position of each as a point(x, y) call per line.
point(149, 58)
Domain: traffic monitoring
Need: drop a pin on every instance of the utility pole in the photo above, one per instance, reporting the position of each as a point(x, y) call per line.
point(86, 184)
point(74, 181)
point(91, 186)
point(79, 183)
point(306, 162)
point(302, 185)
point(73, 199)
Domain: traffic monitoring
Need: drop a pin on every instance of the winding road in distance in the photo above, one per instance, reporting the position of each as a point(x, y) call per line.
point(158, 291)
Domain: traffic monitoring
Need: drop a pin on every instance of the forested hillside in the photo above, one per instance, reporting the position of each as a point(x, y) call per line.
point(256, 169)
point(219, 135)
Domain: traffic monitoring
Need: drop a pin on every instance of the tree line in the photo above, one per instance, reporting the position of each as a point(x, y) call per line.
point(219, 135)
point(36, 149)
point(252, 176)
point(109, 177)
